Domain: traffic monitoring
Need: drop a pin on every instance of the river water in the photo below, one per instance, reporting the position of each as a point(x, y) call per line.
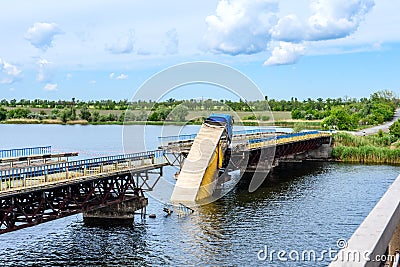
point(300, 207)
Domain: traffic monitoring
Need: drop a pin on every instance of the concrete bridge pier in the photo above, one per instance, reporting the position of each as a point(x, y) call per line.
point(121, 213)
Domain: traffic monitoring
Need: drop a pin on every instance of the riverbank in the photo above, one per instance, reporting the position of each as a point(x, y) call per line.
point(374, 149)
point(296, 124)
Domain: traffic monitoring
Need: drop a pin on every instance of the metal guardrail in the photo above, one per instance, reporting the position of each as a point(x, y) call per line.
point(256, 137)
point(27, 151)
point(78, 165)
point(255, 131)
point(176, 138)
point(186, 137)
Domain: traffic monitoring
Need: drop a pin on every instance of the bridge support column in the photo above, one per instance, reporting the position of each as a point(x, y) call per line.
point(116, 214)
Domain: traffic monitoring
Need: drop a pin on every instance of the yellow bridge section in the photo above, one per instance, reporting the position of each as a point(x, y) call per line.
point(196, 179)
point(286, 139)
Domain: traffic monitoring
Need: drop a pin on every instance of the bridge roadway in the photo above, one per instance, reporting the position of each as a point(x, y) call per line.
point(30, 195)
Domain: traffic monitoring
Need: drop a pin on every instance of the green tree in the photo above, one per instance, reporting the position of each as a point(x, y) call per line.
point(95, 116)
point(154, 116)
point(341, 119)
point(179, 113)
point(297, 114)
point(73, 114)
point(19, 113)
point(64, 115)
point(395, 129)
point(85, 114)
point(160, 113)
point(3, 114)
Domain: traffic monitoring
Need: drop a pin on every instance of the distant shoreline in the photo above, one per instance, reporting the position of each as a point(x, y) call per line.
point(289, 124)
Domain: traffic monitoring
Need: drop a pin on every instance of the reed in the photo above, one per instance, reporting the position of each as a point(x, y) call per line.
point(346, 139)
point(366, 149)
point(367, 154)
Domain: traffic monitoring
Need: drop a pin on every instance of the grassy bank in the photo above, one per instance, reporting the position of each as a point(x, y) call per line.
point(379, 149)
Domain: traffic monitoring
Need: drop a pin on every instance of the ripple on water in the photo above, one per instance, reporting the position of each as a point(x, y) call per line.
point(302, 207)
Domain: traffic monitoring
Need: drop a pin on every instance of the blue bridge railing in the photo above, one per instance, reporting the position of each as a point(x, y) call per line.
point(186, 137)
point(77, 165)
point(28, 151)
point(176, 138)
point(254, 131)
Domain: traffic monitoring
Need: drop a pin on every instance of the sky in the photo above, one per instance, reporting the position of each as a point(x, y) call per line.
point(108, 49)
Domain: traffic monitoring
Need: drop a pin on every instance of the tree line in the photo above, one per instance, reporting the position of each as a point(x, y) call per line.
point(340, 113)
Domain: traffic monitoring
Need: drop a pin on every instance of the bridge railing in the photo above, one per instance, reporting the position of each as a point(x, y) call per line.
point(285, 138)
point(187, 137)
point(35, 175)
point(254, 131)
point(177, 138)
point(254, 138)
point(27, 151)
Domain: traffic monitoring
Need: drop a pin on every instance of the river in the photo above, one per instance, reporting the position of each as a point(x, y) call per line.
point(300, 207)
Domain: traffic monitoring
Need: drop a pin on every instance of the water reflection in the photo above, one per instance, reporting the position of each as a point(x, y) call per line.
point(300, 206)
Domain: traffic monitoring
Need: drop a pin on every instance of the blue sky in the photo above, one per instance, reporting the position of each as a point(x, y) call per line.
point(107, 49)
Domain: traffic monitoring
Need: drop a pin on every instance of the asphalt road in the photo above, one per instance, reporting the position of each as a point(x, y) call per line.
point(384, 127)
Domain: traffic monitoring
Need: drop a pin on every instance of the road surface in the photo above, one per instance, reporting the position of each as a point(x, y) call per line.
point(384, 127)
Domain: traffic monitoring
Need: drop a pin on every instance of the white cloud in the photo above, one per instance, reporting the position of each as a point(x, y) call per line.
point(68, 76)
point(329, 20)
point(334, 19)
point(252, 26)
point(93, 82)
point(123, 44)
point(288, 29)
point(46, 71)
point(119, 77)
point(41, 34)
point(285, 53)
point(51, 87)
point(8, 73)
point(171, 42)
point(240, 26)
point(122, 77)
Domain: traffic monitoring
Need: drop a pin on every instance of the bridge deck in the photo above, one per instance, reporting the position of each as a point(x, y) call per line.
point(31, 178)
point(21, 161)
point(243, 141)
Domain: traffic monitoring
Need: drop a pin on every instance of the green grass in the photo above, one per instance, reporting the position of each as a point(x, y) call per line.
point(366, 149)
